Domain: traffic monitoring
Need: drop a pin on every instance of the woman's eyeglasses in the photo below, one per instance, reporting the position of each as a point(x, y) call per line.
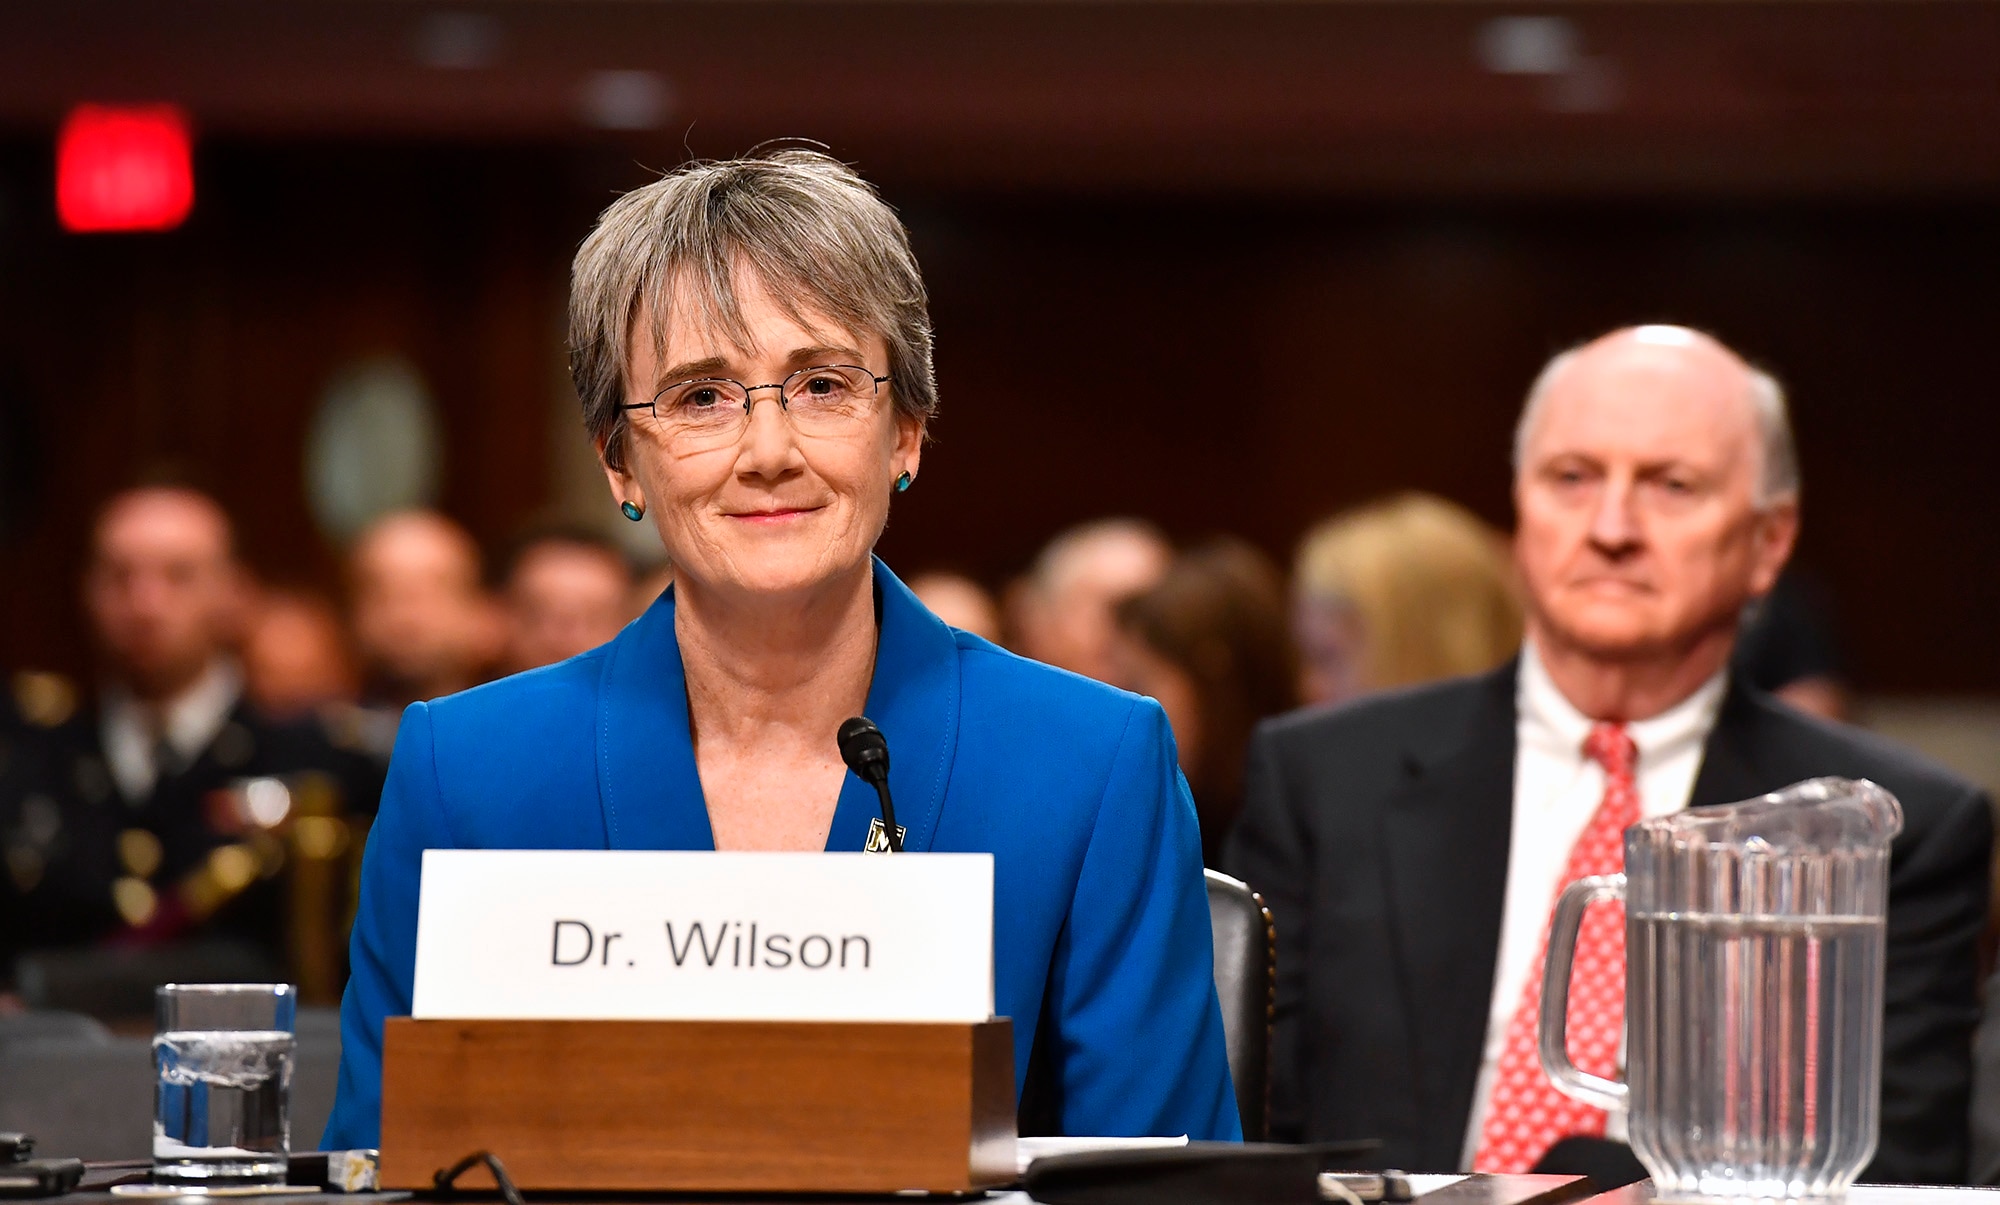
point(709, 412)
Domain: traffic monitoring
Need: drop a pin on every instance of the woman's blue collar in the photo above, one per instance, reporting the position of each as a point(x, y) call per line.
point(647, 782)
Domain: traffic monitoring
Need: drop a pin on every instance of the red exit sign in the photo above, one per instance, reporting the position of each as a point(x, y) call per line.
point(124, 167)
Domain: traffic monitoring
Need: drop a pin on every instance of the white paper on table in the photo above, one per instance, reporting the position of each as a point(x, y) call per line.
point(1421, 1184)
point(1027, 1150)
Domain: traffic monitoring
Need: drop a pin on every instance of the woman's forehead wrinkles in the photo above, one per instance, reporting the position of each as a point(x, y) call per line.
point(689, 331)
point(704, 347)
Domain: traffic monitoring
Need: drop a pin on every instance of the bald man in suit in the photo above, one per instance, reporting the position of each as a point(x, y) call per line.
point(1411, 844)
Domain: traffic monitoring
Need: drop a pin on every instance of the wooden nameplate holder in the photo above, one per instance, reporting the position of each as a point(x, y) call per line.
point(702, 1106)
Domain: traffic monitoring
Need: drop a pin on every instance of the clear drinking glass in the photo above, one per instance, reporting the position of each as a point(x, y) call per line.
point(1753, 992)
point(222, 1059)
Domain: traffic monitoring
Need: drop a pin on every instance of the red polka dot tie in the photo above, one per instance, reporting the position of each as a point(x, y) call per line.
point(1526, 1114)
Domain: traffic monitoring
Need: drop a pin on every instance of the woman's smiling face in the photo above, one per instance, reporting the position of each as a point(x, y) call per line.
point(776, 511)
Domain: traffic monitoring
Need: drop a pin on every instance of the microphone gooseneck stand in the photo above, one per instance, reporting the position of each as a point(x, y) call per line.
point(866, 752)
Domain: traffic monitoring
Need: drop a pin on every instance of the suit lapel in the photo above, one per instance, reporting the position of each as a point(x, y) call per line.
point(1729, 771)
point(914, 699)
point(1445, 845)
point(647, 782)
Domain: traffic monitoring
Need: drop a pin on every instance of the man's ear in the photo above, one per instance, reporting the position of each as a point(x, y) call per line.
point(1777, 534)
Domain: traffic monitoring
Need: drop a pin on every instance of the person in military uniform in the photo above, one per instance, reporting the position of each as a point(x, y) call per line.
point(32, 830)
point(175, 831)
point(26, 818)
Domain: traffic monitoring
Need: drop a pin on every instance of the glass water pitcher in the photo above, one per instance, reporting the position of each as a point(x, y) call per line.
point(1753, 992)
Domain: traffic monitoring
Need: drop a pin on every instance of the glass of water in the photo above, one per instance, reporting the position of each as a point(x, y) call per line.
point(222, 1062)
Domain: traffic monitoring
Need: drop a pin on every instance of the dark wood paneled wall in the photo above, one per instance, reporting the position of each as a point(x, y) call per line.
point(1250, 369)
point(1242, 365)
point(201, 355)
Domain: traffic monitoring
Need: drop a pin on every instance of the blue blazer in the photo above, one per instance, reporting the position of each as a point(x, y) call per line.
point(1099, 907)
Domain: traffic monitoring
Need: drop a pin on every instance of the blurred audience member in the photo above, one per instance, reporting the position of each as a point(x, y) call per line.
point(166, 598)
point(26, 812)
point(565, 591)
point(296, 661)
point(171, 805)
point(1406, 590)
point(1064, 612)
point(1208, 642)
point(1787, 648)
point(960, 602)
point(423, 623)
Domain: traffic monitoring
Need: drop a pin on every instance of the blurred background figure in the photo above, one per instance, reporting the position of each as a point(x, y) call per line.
point(1208, 641)
point(1788, 648)
point(1063, 613)
point(960, 602)
point(165, 598)
point(1405, 590)
point(16, 740)
point(296, 659)
point(175, 826)
point(564, 591)
point(422, 621)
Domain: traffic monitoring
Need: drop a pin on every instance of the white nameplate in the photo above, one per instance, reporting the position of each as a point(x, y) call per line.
point(640, 935)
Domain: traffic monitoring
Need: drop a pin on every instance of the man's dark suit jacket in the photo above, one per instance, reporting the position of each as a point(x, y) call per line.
point(1378, 832)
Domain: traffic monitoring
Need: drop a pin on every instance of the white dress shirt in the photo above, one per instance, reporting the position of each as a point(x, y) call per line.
point(132, 732)
point(1556, 792)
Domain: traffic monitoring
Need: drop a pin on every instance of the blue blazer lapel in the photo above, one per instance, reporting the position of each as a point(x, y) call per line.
point(647, 782)
point(914, 699)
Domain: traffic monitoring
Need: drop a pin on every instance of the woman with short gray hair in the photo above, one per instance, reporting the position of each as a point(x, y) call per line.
point(751, 342)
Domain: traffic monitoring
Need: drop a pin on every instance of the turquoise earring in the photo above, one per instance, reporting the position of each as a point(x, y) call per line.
point(634, 513)
point(902, 483)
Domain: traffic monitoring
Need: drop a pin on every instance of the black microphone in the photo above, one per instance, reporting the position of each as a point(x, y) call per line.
point(866, 752)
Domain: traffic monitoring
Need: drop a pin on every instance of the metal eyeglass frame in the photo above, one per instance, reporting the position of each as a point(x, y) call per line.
point(750, 391)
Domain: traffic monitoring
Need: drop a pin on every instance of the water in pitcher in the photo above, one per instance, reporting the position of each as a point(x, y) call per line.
point(221, 1100)
point(1751, 1057)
